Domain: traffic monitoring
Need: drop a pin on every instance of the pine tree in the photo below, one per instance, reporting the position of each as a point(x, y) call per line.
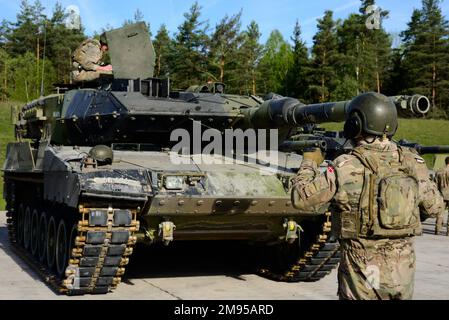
point(297, 78)
point(425, 61)
point(25, 33)
point(162, 47)
point(349, 46)
point(276, 63)
point(249, 55)
point(23, 82)
point(325, 57)
point(223, 47)
point(61, 43)
point(4, 29)
point(346, 88)
point(366, 50)
point(189, 55)
point(394, 83)
point(379, 45)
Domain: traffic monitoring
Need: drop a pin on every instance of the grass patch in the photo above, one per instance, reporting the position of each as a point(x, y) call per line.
point(425, 132)
point(6, 136)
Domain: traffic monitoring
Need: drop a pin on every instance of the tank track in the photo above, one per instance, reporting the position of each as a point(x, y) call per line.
point(98, 250)
point(315, 263)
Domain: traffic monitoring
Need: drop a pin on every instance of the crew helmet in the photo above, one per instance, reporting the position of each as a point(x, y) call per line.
point(102, 154)
point(371, 114)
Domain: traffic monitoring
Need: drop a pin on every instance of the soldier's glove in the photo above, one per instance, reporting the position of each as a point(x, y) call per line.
point(315, 155)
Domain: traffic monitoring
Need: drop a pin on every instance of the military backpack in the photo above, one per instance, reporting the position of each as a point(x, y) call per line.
point(389, 202)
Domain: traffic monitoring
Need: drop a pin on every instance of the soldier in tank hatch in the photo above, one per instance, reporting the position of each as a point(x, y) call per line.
point(87, 60)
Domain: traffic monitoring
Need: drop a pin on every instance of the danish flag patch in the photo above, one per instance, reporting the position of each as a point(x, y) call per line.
point(330, 169)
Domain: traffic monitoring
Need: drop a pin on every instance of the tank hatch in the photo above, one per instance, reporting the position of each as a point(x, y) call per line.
point(131, 51)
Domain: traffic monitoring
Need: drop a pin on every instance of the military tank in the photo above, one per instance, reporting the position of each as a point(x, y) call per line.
point(95, 170)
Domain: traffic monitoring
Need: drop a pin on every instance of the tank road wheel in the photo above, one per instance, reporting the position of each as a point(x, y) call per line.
point(51, 243)
point(26, 228)
point(42, 238)
point(72, 239)
point(34, 232)
point(61, 248)
point(20, 219)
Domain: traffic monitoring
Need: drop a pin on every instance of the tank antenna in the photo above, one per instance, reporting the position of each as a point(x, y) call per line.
point(43, 60)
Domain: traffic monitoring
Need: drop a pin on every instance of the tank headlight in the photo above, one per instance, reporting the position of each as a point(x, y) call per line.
point(174, 182)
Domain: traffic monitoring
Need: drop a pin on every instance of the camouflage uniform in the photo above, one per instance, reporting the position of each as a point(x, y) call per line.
point(442, 181)
point(370, 268)
point(86, 59)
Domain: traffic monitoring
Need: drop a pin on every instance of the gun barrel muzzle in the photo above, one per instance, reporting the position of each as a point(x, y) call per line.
point(412, 105)
point(420, 104)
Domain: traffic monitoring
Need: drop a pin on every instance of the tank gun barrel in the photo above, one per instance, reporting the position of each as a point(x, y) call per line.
point(289, 146)
point(289, 112)
point(424, 149)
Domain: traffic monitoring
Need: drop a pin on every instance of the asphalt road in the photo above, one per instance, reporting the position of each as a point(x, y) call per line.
point(219, 271)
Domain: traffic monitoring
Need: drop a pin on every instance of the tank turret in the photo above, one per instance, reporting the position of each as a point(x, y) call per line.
point(91, 116)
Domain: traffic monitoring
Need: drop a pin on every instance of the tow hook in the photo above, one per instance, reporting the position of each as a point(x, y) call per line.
point(166, 229)
point(293, 230)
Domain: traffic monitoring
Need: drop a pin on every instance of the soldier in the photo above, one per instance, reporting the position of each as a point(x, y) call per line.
point(442, 180)
point(376, 194)
point(87, 60)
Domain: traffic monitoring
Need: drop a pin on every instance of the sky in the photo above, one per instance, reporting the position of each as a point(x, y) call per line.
point(269, 14)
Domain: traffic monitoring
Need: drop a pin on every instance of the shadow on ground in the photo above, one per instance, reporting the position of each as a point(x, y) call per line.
point(429, 227)
point(5, 245)
point(184, 259)
point(189, 259)
point(180, 259)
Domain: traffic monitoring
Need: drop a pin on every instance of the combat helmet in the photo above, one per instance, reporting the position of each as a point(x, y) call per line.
point(371, 114)
point(102, 154)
